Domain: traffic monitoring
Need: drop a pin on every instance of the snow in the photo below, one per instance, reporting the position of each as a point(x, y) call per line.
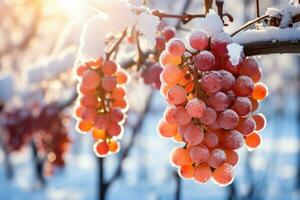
point(49, 67)
point(7, 84)
point(119, 14)
point(147, 24)
point(211, 24)
point(268, 34)
point(72, 31)
point(234, 51)
point(92, 41)
point(272, 12)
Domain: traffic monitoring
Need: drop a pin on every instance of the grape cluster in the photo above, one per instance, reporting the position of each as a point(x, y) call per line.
point(211, 106)
point(151, 74)
point(42, 126)
point(101, 104)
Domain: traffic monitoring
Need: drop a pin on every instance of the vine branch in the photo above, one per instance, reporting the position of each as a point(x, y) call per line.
point(271, 47)
point(185, 18)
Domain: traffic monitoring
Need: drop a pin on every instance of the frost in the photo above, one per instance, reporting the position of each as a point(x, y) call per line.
point(7, 86)
point(211, 24)
point(272, 12)
point(234, 51)
point(147, 24)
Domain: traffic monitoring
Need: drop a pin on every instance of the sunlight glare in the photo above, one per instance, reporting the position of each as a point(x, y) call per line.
point(71, 7)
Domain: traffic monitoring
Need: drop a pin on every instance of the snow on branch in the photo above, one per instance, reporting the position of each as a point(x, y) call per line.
point(268, 34)
point(115, 16)
point(49, 67)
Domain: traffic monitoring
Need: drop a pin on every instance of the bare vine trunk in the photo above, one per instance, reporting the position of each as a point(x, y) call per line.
point(102, 185)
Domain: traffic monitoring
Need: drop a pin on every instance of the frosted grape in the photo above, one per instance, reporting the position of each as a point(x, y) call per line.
point(199, 153)
point(176, 95)
point(216, 158)
point(228, 119)
point(193, 135)
point(242, 106)
point(218, 101)
point(204, 61)
point(211, 82)
point(209, 116)
point(233, 140)
point(196, 107)
point(176, 47)
point(198, 40)
point(243, 86)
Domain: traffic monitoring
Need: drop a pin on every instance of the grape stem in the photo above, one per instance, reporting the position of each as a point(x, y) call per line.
point(196, 87)
point(116, 45)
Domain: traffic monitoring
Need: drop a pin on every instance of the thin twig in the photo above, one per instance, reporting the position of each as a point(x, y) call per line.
point(249, 24)
point(185, 18)
point(257, 9)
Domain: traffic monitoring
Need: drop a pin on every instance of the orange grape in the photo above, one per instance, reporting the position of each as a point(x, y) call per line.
point(84, 126)
point(180, 157)
point(165, 129)
point(202, 173)
point(232, 157)
point(99, 134)
point(171, 74)
point(186, 171)
point(178, 138)
point(118, 93)
point(260, 91)
point(166, 58)
point(114, 146)
point(253, 140)
point(121, 76)
point(223, 175)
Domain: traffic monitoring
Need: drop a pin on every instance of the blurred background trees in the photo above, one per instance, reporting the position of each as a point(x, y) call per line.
point(38, 45)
